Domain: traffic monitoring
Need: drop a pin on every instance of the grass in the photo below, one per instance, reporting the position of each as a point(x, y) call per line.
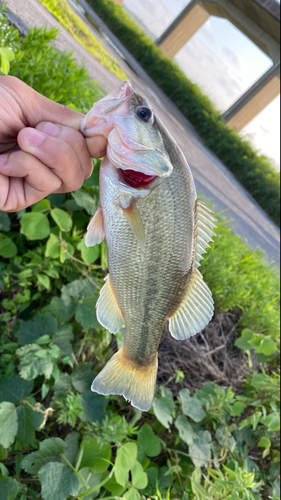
point(240, 276)
point(254, 172)
point(72, 22)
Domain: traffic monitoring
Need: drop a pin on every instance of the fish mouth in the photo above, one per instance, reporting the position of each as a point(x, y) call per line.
point(136, 179)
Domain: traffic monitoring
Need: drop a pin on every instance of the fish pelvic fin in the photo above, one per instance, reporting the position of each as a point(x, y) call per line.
point(135, 222)
point(126, 378)
point(195, 311)
point(95, 230)
point(109, 313)
point(204, 224)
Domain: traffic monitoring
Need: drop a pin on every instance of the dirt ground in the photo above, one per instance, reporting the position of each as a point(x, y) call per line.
point(209, 356)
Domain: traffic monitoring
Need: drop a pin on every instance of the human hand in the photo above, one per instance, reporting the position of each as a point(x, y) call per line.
point(41, 148)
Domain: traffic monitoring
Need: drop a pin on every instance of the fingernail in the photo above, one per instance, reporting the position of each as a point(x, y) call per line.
point(34, 138)
point(3, 159)
point(50, 129)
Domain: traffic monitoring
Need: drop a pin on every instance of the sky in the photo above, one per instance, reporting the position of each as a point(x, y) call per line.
point(223, 62)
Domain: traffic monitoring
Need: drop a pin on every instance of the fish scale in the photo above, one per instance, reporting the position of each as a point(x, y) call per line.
point(155, 235)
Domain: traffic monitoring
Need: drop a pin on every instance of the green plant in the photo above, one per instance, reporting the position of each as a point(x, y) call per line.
point(72, 22)
point(255, 172)
point(59, 440)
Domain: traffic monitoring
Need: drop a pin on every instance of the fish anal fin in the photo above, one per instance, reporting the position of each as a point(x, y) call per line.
point(109, 313)
point(134, 220)
point(195, 311)
point(204, 224)
point(123, 377)
point(95, 230)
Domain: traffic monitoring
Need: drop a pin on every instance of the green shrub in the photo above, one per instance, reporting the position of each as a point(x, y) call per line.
point(253, 171)
point(72, 22)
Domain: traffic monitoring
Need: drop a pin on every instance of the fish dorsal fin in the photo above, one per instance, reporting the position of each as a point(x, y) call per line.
point(195, 311)
point(204, 224)
point(134, 220)
point(95, 230)
point(109, 313)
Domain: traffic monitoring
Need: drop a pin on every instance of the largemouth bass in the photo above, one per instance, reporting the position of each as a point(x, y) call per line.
point(156, 231)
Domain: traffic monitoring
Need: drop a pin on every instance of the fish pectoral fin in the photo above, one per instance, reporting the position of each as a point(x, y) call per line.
point(134, 220)
point(205, 223)
point(95, 230)
point(195, 311)
point(121, 376)
point(109, 313)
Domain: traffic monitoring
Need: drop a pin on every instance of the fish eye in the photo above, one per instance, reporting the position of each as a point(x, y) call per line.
point(144, 113)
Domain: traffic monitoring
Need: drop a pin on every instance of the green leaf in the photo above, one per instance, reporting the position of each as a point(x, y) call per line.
point(8, 488)
point(8, 424)
point(94, 456)
point(131, 494)
point(35, 226)
point(272, 421)
point(66, 250)
point(31, 330)
point(14, 389)
point(6, 55)
point(58, 481)
point(93, 405)
point(264, 442)
point(7, 248)
point(29, 421)
point(82, 377)
point(71, 446)
point(86, 313)
point(191, 407)
point(80, 289)
point(197, 488)
point(185, 430)
point(85, 200)
point(148, 442)
point(53, 247)
point(43, 280)
point(62, 339)
point(125, 461)
point(61, 388)
point(139, 477)
point(200, 449)
point(62, 219)
point(88, 254)
point(41, 206)
point(5, 223)
point(61, 308)
point(3, 453)
point(31, 365)
point(114, 488)
point(92, 480)
point(238, 408)
point(163, 409)
point(267, 347)
point(49, 451)
point(243, 341)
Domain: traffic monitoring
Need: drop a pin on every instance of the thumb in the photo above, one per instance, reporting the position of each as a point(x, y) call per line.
point(36, 108)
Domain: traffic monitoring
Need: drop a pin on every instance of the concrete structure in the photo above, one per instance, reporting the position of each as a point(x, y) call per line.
point(259, 20)
point(254, 100)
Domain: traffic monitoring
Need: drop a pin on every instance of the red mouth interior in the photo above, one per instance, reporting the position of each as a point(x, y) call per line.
point(137, 179)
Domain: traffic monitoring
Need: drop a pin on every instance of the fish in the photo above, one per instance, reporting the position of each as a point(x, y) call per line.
point(156, 230)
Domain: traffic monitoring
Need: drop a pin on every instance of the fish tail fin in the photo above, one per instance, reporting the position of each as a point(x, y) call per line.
point(124, 377)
